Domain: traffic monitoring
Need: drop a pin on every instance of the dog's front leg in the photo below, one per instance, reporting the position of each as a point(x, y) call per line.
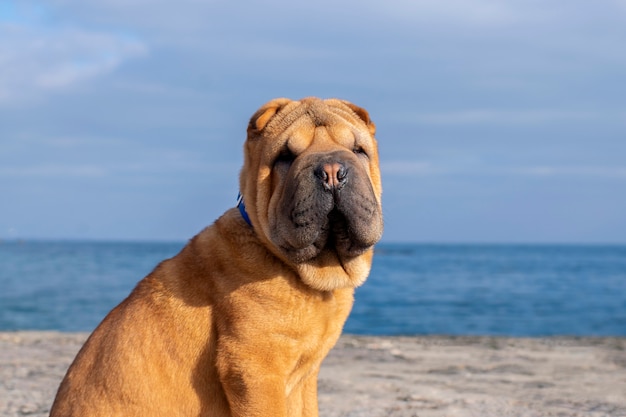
point(251, 394)
point(302, 402)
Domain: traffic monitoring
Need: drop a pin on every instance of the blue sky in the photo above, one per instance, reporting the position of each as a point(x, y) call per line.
point(498, 121)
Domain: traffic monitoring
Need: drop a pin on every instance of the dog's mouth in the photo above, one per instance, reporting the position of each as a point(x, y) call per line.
point(334, 235)
point(340, 238)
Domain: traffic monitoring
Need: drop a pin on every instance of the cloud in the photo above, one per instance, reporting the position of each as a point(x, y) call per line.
point(410, 168)
point(400, 168)
point(573, 171)
point(47, 171)
point(36, 59)
point(465, 11)
point(108, 158)
point(500, 117)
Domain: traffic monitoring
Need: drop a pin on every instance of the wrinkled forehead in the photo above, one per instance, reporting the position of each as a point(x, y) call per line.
point(302, 123)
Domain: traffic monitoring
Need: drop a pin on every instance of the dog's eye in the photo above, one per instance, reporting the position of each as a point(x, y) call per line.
point(359, 151)
point(285, 157)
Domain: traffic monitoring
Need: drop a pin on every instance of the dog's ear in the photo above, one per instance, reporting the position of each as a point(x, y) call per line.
point(262, 116)
point(363, 115)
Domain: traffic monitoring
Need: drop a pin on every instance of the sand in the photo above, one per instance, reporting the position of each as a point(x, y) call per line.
point(392, 376)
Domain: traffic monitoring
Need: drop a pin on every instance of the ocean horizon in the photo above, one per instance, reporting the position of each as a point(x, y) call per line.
point(520, 289)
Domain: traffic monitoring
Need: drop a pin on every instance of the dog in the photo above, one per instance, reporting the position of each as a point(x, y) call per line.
point(238, 323)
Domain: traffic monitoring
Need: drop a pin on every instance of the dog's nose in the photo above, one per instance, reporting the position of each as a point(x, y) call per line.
point(332, 174)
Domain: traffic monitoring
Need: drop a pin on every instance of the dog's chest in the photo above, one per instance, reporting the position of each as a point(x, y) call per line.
point(314, 336)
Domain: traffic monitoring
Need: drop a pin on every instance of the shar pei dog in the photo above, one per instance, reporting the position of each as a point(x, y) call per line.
point(238, 323)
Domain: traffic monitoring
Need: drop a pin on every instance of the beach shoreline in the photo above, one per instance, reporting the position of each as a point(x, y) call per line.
point(372, 376)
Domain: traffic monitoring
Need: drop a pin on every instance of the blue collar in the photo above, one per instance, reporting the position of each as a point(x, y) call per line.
point(242, 209)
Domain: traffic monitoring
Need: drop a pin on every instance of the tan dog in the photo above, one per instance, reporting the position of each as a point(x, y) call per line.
point(238, 323)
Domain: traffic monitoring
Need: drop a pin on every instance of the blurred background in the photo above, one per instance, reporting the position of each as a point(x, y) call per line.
point(498, 121)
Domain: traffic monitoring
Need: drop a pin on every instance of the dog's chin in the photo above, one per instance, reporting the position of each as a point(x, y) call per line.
point(329, 270)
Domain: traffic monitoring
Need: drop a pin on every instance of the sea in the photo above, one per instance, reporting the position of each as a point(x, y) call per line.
point(413, 289)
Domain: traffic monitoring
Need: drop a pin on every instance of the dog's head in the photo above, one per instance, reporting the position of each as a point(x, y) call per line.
point(312, 189)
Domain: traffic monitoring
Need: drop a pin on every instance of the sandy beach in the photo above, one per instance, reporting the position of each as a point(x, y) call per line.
point(392, 376)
